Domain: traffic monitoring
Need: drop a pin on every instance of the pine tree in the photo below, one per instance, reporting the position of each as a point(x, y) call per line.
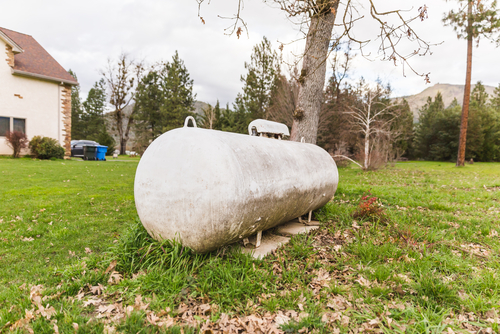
point(93, 116)
point(486, 119)
point(476, 19)
point(179, 98)
point(429, 113)
point(259, 82)
point(76, 111)
point(93, 122)
point(495, 99)
point(149, 99)
point(475, 129)
point(164, 99)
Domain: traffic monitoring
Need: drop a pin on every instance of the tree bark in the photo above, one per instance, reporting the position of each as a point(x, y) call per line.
point(367, 133)
point(465, 107)
point(312, 76)
point(119, 128)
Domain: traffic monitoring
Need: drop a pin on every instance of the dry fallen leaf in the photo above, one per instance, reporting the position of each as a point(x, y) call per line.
point(23, 321)
point(115, 278)
point(88, 250)
point(56, 329)
point(363, 281)
point(108, 329)
point(47, 311)
point(111, 267)
point(97, 289)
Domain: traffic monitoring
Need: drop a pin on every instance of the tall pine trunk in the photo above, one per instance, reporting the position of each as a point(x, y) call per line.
point(312, 76)
point(465, 107)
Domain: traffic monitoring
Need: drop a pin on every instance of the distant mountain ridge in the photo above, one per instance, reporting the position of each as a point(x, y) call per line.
point(449, 92)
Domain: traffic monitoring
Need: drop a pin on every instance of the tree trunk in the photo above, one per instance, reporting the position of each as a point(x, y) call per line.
point(465, 107)
point(367, 147)
point(119, 128)
point(312, 76)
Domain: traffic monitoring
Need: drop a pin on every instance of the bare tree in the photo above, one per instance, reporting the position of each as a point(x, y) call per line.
point(122, 78)
point(372, 119)
point(319, 17)
point(208, 119)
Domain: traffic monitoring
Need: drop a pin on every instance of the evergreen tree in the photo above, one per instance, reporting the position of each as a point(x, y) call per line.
point(423, 130)
point(93, 122)
point(477, 114)
point(485, 127)
point(476, 19)
point(93, 116)
point(228, 121)
point(402, 131)
point(76, 111)
point(179, 98)
point(149, 100)
point(437, 133)
point(164, 98)
point(259, 82)
point(495, 99)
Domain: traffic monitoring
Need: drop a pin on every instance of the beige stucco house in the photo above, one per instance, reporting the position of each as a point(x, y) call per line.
point(35, 91)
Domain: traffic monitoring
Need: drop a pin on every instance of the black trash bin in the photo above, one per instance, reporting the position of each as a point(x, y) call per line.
point(89, 152)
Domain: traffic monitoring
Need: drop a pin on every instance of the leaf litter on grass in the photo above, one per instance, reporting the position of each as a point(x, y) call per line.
point(352, 275)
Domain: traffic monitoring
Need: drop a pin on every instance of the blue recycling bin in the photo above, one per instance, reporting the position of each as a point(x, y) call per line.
point(101, 152)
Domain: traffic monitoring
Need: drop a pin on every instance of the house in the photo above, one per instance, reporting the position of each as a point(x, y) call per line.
point(35, 91)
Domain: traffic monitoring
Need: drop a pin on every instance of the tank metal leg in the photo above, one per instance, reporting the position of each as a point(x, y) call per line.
point(259, 238)
point(308, 219)
point(246, 242)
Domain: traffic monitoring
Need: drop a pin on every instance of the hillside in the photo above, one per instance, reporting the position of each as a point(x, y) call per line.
point(448, 91)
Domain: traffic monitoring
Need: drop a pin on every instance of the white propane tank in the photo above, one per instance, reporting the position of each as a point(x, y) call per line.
point(208, 188)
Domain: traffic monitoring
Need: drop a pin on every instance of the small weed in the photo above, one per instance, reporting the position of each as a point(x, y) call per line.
point(370, 209)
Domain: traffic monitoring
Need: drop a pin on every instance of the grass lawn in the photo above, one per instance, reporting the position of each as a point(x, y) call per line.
point(423, 257)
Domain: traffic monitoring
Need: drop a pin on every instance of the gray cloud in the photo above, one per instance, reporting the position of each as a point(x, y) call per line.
point(83, 35)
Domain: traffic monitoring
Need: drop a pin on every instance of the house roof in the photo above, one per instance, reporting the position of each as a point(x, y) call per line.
point(35, 61)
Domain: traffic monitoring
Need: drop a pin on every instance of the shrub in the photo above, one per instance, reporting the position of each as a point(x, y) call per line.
point(17, 140)
point(46, 148)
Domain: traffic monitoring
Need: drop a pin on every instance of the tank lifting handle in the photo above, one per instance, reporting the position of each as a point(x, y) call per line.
point(186, 121)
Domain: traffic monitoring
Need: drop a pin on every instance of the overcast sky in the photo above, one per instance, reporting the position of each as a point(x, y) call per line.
point(83, 35)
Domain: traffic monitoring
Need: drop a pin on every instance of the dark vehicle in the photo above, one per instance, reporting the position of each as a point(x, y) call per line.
point(77, 147)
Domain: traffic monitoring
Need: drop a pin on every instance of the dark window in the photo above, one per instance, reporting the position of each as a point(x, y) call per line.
point(20, 125)
point(4, 125)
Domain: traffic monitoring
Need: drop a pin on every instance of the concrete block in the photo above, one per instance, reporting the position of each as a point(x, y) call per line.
point(268, 243)
point(294, 227)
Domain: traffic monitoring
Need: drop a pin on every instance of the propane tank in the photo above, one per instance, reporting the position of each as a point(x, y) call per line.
point(208, 188)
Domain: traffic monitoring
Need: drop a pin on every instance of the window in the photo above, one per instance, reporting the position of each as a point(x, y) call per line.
point(4, 125)
point(20, 125)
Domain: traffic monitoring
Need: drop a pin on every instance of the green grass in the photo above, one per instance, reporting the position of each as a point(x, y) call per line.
point(430, 263)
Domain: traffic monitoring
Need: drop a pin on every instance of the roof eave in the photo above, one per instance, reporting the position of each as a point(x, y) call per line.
point(15, 47)
point(44, 77)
